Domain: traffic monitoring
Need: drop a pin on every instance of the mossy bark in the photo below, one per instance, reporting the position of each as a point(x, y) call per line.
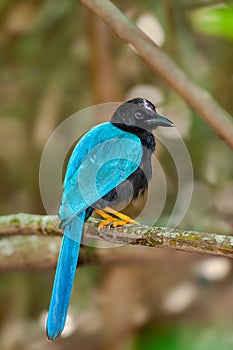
point(32, 242)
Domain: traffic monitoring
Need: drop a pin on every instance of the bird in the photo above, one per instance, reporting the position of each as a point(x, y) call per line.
point(110, 165)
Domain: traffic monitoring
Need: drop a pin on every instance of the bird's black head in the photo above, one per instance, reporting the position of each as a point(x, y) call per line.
point(139, 112)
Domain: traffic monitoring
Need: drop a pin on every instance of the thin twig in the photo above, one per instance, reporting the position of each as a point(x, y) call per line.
point(32, 242)
point(199, 99)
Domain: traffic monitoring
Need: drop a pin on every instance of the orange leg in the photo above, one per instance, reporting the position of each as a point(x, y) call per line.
point(119, 219)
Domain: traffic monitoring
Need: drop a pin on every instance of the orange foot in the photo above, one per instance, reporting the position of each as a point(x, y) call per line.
point(119, 219)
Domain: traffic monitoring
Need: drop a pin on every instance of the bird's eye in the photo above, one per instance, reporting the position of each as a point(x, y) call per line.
point(138, 115)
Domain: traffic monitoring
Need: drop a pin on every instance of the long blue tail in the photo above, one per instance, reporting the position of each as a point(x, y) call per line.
point(64, 277)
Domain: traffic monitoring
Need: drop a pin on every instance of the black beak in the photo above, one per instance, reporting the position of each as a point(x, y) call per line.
point(160, 120)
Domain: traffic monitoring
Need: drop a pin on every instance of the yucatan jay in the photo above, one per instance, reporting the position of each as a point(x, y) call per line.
point(110, 164)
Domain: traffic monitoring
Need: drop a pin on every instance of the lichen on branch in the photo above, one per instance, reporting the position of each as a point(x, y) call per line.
point(32, 242)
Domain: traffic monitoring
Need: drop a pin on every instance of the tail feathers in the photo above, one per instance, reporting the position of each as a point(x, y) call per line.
point(64, 277)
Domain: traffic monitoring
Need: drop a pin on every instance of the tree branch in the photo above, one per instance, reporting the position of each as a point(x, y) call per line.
point(200, 100)
point(32, 242)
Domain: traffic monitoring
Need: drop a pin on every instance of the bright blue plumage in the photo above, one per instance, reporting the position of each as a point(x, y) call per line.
point(103, 158)
point(64, 277)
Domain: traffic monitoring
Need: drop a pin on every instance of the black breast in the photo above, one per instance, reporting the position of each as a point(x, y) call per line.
point(142, 175)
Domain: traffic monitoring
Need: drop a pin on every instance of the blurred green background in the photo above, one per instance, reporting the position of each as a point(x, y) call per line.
point(57, 58)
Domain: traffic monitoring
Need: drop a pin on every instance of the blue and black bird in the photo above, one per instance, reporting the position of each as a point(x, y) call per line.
point(110, 165)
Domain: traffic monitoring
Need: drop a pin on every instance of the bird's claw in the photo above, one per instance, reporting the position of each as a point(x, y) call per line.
point(111, 221)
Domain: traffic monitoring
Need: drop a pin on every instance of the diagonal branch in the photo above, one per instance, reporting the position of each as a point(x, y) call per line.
point(200, 100)
point(32, 242)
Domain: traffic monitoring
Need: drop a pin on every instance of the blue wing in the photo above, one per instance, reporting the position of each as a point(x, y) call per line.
point(103, 159)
